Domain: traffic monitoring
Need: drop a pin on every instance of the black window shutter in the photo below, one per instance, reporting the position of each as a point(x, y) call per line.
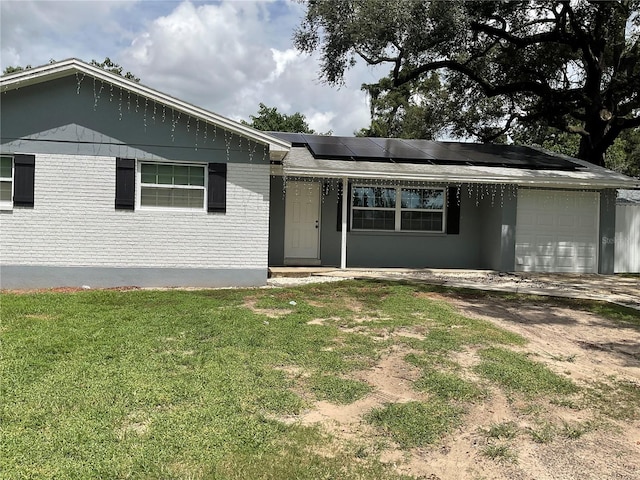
point(453, 211)
point(125, 183)
point(339, 216)
point(24, 167)
point(217, 194)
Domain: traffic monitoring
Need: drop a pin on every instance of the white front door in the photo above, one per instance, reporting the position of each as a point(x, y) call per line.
point(557, 231)
point(302, 223)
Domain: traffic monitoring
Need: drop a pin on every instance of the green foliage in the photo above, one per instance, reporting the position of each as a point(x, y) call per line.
point(416, 424)
point(14, 69)
point(624, 155)
point(548, 138)
point(544, 432)
point(575, 430)
point(448, 386)
point(516, 372)
point(108, 65)
point(270, 120)
point(572, 66)
point(400, 114)
point(505, 430)
point(618, 399)
point(338, 390)
point(500, 453)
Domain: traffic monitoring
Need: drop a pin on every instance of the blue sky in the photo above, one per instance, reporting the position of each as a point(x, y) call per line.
point(226, 56)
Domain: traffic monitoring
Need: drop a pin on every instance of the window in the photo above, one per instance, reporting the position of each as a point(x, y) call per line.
point(422, 210)
point(374, 208)
point(172, 185)
point(6, 182)
point(397, 209)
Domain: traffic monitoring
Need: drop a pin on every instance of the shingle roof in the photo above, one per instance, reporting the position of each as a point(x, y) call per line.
point(300, 162)
point(426, 152)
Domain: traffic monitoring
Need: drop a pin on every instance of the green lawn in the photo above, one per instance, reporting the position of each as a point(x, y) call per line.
point(194, 384)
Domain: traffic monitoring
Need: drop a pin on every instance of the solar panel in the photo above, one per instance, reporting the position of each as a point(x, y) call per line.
point(512, 156)
point(439, 152)
point(475, 154)
point(364, 148)
point(426, 152)
point(397, 149)
point(330, 151)
point(295, 139)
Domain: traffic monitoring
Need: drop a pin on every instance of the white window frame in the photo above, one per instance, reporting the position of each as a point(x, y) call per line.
point(4, 204)
point(139, 186)
point(374, 209)
point(398, 208)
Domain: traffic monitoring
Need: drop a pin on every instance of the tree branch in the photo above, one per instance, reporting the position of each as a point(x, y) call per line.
point(503, 130)
point(489, 89)
point(372, 61)
point(521, 42)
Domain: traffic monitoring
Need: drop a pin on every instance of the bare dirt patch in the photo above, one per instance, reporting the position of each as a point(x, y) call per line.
point(553, 442)
point(392, 379)
point(135, 423)
point(250, 303)
point(580, 344)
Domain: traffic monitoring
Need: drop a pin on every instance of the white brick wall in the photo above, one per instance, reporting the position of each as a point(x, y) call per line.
point(74, 222)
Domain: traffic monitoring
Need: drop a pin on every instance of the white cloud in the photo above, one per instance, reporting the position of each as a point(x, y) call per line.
point(282, 59)
point(321, 121)
point(230, 56)
point(34, 32)
point(224, 56)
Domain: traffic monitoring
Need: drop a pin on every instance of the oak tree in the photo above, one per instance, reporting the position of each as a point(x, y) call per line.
point(565, 66)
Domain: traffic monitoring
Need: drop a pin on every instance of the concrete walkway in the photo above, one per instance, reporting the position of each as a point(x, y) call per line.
point(619, 289)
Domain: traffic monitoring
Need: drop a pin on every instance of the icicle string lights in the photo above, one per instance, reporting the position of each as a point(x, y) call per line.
point(227, 142)
point(201, 134)
point(197, 131)
point(144, 117)
point(79, 82)
point(476, 192)
point(151, 109)
point(97, 94)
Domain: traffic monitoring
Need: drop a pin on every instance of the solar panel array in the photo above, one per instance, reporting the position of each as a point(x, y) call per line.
point(427, 152)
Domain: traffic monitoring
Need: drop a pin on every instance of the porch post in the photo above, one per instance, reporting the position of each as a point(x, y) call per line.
point(345, 206)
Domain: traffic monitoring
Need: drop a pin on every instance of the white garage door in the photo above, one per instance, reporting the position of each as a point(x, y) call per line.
point(557, 231)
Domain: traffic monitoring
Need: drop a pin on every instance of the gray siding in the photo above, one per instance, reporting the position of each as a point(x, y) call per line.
point(478, 245)
point(30, 276)
point(498, 227)
point(607, 232)
point(63, 117)
point(415, 250)
point(276, 221)
point(331, 235)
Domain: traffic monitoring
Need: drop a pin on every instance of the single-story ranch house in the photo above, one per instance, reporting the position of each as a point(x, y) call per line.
point(106, 182)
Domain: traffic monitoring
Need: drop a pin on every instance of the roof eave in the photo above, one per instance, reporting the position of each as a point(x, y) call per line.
point(466, 179)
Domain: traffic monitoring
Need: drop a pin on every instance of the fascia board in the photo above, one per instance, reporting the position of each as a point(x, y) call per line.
point(32, 76)
point(463, 179)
